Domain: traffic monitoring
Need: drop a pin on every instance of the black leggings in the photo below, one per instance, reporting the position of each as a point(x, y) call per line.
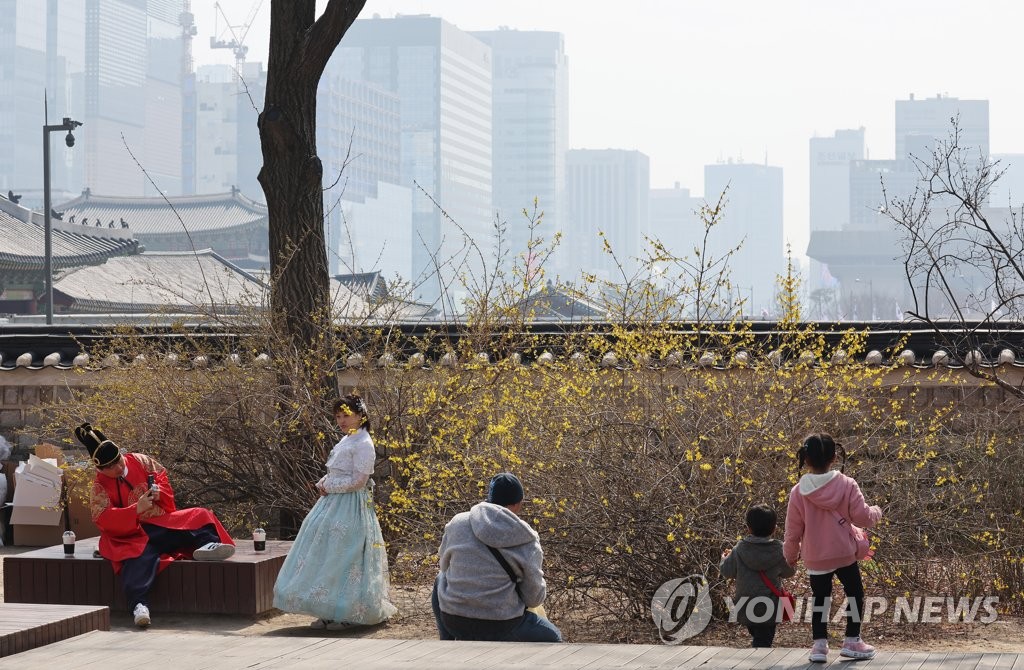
point(821, 589)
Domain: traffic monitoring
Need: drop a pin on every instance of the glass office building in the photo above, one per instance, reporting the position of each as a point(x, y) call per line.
point(442, 77)
point(115, 65)
point(530, 132)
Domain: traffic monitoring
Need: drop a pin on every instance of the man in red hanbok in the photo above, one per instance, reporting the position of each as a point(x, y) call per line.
point(141, 529)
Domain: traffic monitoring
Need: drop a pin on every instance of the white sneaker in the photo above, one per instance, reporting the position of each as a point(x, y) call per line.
point(213, 551)
point(141, 614)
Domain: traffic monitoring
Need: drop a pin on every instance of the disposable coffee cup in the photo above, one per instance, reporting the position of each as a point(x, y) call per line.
point(259, 539)
point(69, 543)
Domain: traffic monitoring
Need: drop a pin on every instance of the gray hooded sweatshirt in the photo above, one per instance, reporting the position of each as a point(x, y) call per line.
point(472, 583)
point(751, 555)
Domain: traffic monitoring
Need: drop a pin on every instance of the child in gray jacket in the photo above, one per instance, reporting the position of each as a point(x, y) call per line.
point(756, 606)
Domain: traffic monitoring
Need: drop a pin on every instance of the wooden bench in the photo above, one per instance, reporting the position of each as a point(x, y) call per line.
point(243, 584)
point(24, 626)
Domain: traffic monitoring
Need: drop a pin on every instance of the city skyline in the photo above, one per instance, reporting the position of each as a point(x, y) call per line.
point(782, 75)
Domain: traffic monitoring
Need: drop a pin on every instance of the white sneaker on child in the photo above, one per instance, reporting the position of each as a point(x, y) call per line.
point(141, 615)
point(819, 651)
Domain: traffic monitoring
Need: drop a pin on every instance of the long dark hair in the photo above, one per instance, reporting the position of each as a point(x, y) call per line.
point(818, 450)
point(353, 403)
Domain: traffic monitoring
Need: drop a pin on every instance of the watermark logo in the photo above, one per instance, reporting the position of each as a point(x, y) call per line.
point(682, 608)
point(918, 609)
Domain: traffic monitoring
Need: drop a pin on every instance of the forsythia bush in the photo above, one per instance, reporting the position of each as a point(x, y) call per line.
point(640, 445)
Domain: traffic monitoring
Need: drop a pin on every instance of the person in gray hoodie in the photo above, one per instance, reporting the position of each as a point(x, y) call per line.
point(490, 572)
point(756, 606)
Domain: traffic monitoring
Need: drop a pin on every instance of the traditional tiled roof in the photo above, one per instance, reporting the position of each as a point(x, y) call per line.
point(371, 290)
point(160, 216)
point(23, 247)
point(160, 281)
point(370, 286)
point(61, 347)
point(560, 303)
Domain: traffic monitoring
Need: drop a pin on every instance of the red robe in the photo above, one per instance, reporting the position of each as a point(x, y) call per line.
point(112, 505)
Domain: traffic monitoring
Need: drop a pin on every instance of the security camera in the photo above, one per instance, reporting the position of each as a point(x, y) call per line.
point(69, 139)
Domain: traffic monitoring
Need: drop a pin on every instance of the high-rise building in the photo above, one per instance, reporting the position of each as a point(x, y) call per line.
point(228, 150)
point(42, 54)
point(920, 123)
point(216, 121)
point(753, 221)
point(253, 89)
point(830, 161)
point(115, 65)
point(609, 194)
point(368, 214)
point(867, 254)
point(442, 77)
point(133, 96)
point(1008, 191)
point(830, 177)
point(530, 133)
point(675, 221)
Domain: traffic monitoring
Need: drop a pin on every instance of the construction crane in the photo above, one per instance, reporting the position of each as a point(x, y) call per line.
point(238, 34)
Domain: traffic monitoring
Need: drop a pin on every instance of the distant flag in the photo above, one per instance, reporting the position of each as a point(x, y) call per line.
point(827, 280)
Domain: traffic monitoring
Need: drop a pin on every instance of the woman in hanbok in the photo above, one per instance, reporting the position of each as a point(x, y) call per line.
point(337, 569)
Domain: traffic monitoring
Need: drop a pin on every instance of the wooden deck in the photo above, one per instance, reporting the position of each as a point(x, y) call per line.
point(24, 627)
point(244, 584)
point(199, 651)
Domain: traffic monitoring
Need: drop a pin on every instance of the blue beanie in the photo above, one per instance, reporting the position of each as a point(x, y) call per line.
point(505, 489)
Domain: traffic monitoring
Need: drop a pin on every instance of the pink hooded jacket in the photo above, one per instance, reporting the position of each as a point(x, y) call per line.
point(813, 531)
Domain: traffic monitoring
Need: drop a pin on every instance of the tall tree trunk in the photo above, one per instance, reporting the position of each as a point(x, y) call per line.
point(291, 176)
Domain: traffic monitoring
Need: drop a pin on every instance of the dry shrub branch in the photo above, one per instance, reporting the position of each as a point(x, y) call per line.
point(641, 444)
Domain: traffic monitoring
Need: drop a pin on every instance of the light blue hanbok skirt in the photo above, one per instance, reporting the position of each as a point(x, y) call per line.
point(337, 568)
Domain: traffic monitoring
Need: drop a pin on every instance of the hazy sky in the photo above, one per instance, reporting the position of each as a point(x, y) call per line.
point(692, 82)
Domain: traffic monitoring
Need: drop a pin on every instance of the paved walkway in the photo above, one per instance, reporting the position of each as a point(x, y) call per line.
point(198, 651)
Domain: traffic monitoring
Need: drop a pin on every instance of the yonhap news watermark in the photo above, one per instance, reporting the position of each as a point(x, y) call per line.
point(682, 608)
point(902, 609)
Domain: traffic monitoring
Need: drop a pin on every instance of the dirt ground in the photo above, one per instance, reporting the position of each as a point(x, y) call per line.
point(415, 621)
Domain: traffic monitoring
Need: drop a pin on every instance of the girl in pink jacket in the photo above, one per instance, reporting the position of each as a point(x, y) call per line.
point(821, 508)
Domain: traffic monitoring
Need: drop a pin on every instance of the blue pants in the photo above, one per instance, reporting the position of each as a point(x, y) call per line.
point(528, 628)
point(138, 574)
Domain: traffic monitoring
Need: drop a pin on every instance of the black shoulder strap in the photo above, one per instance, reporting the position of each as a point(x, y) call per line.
point(508, 568)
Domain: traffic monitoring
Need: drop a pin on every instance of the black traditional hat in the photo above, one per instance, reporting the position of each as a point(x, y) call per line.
point(103, 452)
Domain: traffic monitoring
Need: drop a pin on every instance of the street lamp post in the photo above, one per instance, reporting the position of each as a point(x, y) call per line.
point(68, 124)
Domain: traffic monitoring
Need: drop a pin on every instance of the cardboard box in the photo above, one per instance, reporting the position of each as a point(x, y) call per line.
point(78, 485)
point(37, 495)
point(44, 488)
point(37, 514)
point(29, 535)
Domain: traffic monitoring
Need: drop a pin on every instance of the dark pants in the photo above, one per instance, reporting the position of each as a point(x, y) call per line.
point(527, 628)
point(762, 634)
point(821, 589)
point(137, 574)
